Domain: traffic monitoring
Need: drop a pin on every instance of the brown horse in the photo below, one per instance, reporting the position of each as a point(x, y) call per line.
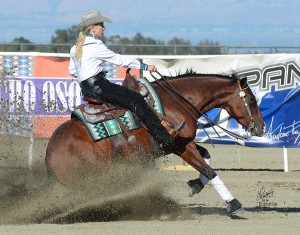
point(184, 97)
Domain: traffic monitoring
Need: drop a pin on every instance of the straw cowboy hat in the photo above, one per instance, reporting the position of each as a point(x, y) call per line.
point(92, 18)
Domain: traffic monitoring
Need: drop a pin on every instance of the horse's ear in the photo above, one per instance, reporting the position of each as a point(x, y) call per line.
point(128, 71)
point(243, 82)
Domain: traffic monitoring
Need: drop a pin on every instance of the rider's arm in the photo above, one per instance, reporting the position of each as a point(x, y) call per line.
point(105, 54)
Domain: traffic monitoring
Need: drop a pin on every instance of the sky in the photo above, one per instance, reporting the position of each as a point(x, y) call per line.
point(229, 22)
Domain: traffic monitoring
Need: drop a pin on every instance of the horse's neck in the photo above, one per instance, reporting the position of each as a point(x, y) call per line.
point(201, 92)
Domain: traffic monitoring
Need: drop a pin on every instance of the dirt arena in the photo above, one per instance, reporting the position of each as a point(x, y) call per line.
point(138, 201)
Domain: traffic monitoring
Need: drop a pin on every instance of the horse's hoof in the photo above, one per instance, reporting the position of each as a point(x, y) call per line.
point(194, 187)
point(234, 207)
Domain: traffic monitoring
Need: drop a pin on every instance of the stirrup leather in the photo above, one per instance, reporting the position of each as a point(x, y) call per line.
point(173, 130)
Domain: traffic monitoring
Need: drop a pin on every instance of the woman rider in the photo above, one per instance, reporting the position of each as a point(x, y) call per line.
point(86, 63)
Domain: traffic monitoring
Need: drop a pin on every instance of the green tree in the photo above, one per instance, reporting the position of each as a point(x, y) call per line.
point(63, 39)
point(208, 47)
point(64, 36)
point(116, 43)
point(138, 45)
point(179, 46)
point(18, 45)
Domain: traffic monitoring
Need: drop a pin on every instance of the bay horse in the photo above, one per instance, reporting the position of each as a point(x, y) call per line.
point(184, 97)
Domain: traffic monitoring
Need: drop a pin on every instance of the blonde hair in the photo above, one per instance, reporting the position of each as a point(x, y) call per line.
point(80, 42)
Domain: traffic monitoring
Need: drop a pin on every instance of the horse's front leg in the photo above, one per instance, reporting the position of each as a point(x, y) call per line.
point(198, 158)
point(196, 185)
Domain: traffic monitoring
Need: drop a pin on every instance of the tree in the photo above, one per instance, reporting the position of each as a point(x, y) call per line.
point(116, 42)
point(64, 36)
point(18, 44)
point(140, 39)
point(208, 47)
point(138, 45)
point(150, 45)
point(181, 46)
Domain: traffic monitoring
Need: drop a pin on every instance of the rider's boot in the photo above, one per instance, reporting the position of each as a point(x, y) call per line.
point(164, 137)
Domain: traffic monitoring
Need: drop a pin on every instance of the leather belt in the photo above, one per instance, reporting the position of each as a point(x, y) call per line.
point(90, 81)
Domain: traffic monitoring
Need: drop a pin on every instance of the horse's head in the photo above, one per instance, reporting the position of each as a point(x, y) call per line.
point(242, 105)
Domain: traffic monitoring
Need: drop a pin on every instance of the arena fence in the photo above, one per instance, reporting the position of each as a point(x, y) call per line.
point(138, 49)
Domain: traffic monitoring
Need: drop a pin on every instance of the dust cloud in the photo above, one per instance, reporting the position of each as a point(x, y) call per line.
point(128, 192)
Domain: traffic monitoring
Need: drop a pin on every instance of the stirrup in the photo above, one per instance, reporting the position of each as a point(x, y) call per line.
point(173, 131)
point(179, 126)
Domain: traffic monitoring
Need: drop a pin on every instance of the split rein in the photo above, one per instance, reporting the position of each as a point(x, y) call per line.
point(172, 91)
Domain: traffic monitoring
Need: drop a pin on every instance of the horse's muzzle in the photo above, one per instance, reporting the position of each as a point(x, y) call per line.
point(258, 129)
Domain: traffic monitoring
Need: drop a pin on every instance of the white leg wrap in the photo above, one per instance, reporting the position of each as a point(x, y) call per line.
point(208, 161)
point(204, 180)
point(222, 189)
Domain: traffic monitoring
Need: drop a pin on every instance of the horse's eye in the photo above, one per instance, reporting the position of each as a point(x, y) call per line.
point(252, 99)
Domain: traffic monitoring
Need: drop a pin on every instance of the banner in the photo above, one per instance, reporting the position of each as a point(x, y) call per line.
point(41, 94)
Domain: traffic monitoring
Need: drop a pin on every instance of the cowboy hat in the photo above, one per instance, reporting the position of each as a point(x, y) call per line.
point(92, 18)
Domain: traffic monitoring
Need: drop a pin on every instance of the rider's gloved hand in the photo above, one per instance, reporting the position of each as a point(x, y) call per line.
point(152, 68)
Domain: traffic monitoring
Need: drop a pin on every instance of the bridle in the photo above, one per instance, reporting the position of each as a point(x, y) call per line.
point(242, 94)
point(172, 91)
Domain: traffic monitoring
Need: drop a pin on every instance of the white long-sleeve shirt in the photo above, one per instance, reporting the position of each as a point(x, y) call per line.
point(94, 54)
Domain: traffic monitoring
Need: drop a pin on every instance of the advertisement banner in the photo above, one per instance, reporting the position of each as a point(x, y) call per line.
point(274, 79)
point(37, 93)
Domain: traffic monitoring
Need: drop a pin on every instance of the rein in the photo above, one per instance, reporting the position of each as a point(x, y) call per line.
point(209, 120)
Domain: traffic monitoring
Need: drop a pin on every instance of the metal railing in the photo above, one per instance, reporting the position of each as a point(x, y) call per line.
point(134, 49)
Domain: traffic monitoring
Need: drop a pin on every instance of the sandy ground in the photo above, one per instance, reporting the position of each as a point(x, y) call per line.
point(139, 201)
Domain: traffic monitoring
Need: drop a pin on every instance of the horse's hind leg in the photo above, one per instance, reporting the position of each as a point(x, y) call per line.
point(208, 174)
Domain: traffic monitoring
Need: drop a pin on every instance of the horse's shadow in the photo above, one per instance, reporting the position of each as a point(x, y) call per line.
point(201, 210)
point(275, 209)
point(245, 169)
point(254, 169)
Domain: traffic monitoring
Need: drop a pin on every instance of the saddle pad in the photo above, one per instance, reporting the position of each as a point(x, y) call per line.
point(102, 130)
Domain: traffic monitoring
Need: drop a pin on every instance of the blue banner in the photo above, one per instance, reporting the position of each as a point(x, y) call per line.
point(278, 92)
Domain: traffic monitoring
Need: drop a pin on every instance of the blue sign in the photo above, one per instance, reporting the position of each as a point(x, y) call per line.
point(278, 92)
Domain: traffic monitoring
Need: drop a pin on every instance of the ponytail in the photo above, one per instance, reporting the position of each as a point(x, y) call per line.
point(80, 42)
